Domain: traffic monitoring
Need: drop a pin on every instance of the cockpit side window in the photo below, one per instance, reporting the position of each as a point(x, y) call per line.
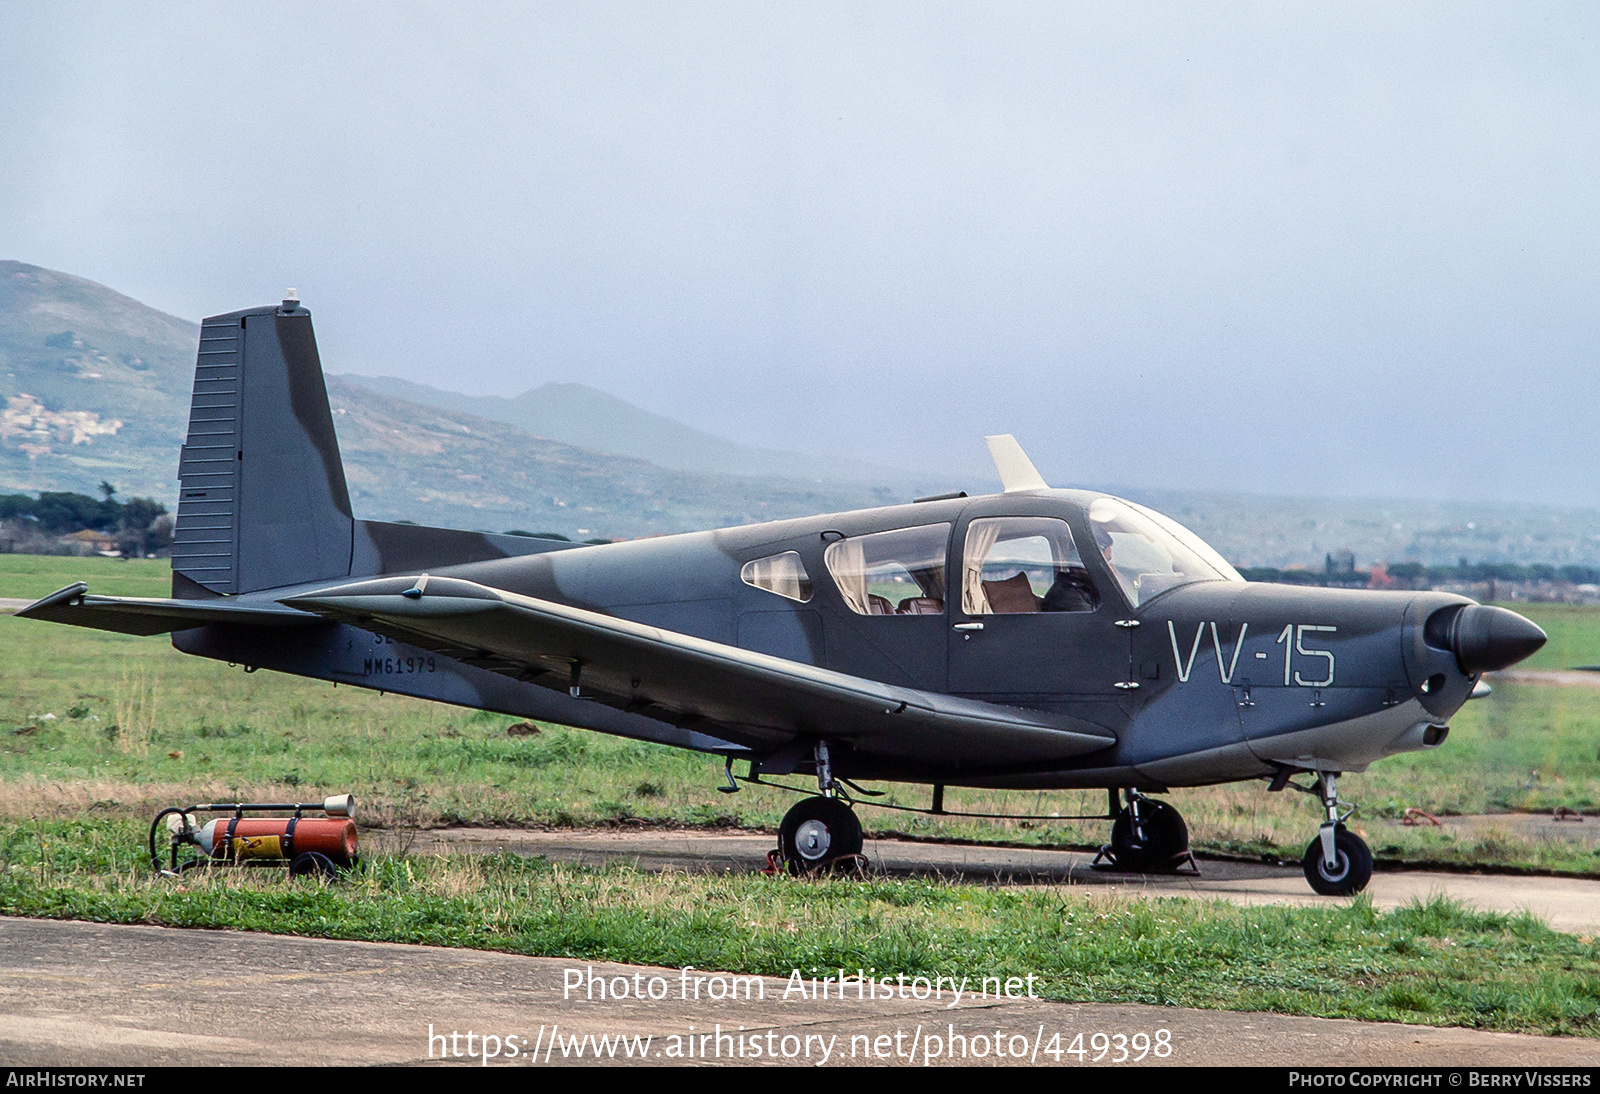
point(892, 573)
point(783, 574)
point(1015, 565)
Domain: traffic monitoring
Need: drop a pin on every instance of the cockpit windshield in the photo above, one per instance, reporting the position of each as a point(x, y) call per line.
point(1151, 553)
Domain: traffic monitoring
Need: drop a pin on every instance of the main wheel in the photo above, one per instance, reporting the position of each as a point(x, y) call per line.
point(1352, 867)
point(816, 832)
point(1165, 837)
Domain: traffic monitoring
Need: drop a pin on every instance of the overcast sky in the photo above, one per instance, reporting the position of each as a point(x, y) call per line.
point(1285, 248)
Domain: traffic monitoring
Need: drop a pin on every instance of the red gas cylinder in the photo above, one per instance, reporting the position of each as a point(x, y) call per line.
point(240, 839)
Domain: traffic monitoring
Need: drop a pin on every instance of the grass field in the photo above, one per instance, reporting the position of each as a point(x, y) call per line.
point(1433, 963)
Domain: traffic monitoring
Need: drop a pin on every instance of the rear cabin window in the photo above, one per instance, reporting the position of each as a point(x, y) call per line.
point(1015, 565)
point(783, 574)
point(892, 573)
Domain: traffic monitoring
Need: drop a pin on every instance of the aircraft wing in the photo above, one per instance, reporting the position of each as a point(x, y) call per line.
point(691, 681)
point(147, 615)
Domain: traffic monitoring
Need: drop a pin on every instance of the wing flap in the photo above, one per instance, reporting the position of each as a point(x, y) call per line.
point(663, 672)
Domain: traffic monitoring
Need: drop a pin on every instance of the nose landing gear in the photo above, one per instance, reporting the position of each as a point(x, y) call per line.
point(1338, 862)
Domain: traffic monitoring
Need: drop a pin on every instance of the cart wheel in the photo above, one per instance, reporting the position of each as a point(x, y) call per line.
point(313, 864)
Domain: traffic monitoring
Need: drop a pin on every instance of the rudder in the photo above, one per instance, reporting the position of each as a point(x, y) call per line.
point(262, 496)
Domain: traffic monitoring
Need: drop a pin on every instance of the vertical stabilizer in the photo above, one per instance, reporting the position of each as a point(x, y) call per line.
point(1017, 472)
point(262, 499)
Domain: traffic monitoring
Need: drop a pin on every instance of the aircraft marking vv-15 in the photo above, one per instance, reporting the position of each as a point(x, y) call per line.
point(1036, 638)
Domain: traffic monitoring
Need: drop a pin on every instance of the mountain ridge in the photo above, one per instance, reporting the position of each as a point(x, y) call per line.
point(96, 388)
point(588, 417)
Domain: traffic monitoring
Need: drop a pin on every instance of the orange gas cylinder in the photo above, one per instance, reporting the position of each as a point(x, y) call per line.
point(270, 838)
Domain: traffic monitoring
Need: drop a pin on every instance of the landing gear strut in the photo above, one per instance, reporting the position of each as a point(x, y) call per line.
point(1338, 862)
point(1147, 836)
point(822, 830)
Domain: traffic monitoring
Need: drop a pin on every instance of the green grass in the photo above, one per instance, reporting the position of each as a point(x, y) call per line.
point(33, 576)
point(1574, 631)
point(1432, 963)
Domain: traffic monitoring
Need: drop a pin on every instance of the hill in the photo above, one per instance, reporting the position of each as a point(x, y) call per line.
point(580, 415)
point(96, 387)
point(405, 461)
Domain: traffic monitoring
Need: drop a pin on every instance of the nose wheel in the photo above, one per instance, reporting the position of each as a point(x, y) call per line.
point(816, 833)
point(1338, 862)
point(1350, 869)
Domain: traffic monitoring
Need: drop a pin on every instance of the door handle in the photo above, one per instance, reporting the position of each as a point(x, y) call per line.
point(969, 626)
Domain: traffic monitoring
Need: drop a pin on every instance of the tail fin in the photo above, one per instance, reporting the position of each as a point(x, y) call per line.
point(262, 500)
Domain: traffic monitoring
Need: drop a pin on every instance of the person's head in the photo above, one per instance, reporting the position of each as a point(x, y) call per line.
point(1102, 539)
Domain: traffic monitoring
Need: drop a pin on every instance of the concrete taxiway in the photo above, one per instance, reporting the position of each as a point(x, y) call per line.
point(92, 994)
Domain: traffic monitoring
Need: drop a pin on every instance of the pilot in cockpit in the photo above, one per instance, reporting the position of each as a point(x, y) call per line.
point(1069, 593)
point(1072, 591)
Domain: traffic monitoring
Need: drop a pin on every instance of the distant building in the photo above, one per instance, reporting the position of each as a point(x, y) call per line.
point(98, 542)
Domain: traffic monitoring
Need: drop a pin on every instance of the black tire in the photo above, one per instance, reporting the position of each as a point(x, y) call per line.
point(313, 864)
point(1165, 837)
point(817, 832)
point(1352, 869)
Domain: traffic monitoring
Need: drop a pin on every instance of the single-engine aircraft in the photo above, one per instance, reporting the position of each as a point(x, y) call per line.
point(1036, 638)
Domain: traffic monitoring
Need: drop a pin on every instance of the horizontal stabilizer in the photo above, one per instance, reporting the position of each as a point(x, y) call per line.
point(664, 674)
point(151, 615)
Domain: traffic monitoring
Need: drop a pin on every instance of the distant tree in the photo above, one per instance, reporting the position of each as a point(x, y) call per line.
point(16, 505)
point(141, 525)
point(62, 513)
point(143, 528)
point(1408, 572)
point(140, 513)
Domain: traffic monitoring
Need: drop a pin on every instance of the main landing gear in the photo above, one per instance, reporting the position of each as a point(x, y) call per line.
point(821, 831)
point(816, 833)
point(1148, 836)
point(1338, 862)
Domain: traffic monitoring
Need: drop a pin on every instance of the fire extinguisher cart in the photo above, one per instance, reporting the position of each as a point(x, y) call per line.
point(318, 846)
